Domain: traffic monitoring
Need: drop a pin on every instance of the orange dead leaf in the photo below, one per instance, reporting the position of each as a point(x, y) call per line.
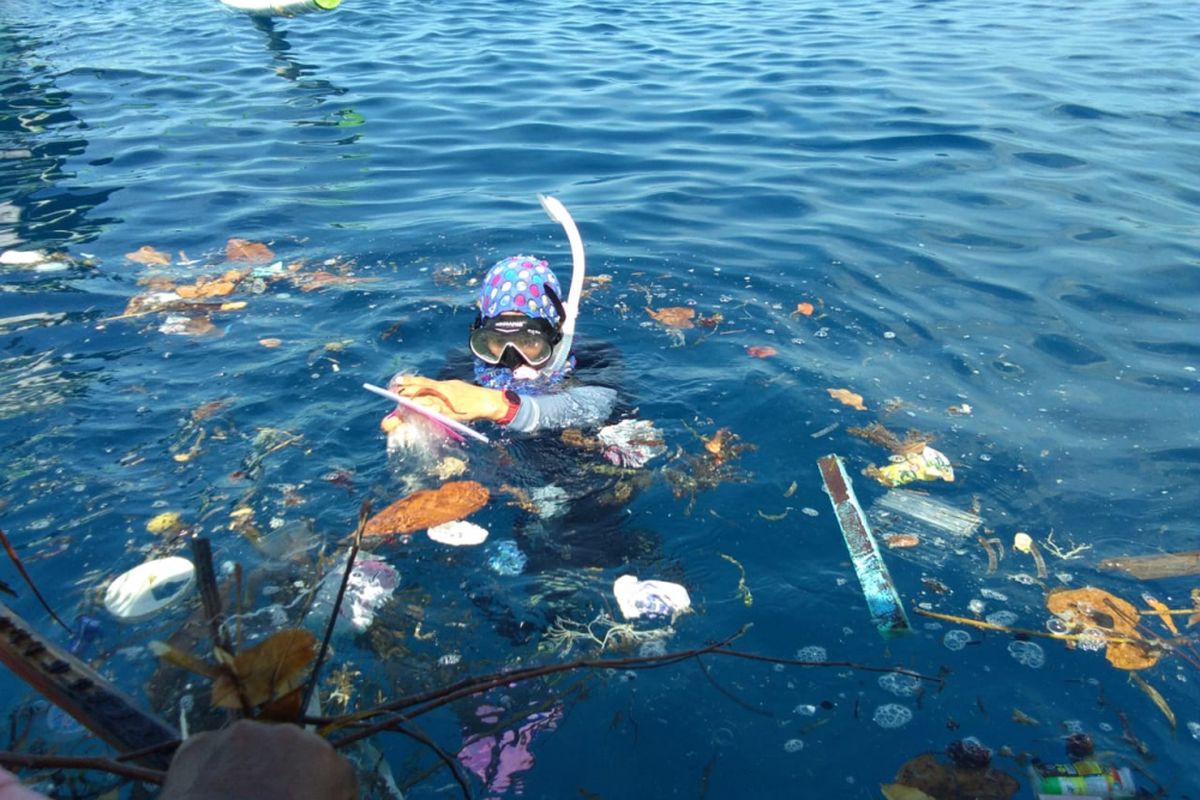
point(806, 309)
point(1131, 655)
point(270, 342)
point(269, 670)
point(149, 256)
point(1164, 613)
point(1096, 608)
point(848, 397)
point(761, 351)
point(673, 316)
point(429, 507)
point(901, 540)
point(243, 250)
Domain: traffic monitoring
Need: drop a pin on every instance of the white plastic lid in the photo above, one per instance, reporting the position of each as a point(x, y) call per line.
point(149, 588)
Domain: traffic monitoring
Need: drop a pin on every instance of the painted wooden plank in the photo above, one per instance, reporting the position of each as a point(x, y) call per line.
point(887, 610)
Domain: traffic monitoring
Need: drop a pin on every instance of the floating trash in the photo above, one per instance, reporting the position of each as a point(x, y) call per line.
point(1028, 654)
point(458, 534)
point(148, 588)
point(164, 523)
point(631, 442)
point(449, 659)
point(992, 594)
point(372, 582)
point(1004, 618)
point(550, 500)
point(650, 598)
point(508, 559)
point(899, 685)
point(883, 601)
point(1194, 730)
point(892, 715)
point(804, 710)
point(793, 745)
point(956, 639)
point(927, 465)
point(814, 653)
point(902, 505)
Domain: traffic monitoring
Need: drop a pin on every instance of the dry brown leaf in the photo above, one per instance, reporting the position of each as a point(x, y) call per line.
point(673, 316)
point(804, 308)
point(270, 342)
point(761, 351)
point(149, 256)
point(268, 671)
point(894, 540)
point(216, 288)
point(184, 660)
point(427, 508)
point(1098, 608)
point(243, 250)
point(1131, 655)
point(946, 780)
point(1155, 697)
point(847, 397)
point(1164, 613)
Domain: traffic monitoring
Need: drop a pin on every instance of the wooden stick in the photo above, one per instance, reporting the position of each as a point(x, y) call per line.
point(10, 759)
point(8, 548)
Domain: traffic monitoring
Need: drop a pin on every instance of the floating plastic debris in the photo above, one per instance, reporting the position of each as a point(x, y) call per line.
point(1028, 654)
point(650, 598)
point(458, 534)
point(1194, 730)
point(903, 506)
point(927, 465)
point(892, 715)
point(631, 442)
point(508, 559)
point(550, 500)
point(804, 710)
point(449, 659)
point(814, 653)
point(372, 582)
point(793, 745)
point(884, 603)
point(149, 588)
point(899, 685)
point(992, 594)
point(956, 639)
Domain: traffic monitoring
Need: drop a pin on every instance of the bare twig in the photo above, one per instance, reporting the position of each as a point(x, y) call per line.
point(364, 513)
point(8, 548)
point(10, 759)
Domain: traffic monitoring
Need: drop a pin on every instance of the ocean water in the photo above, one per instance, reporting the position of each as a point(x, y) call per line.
point(992, 211)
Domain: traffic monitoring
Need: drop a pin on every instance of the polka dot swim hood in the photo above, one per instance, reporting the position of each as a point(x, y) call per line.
point(518, 283)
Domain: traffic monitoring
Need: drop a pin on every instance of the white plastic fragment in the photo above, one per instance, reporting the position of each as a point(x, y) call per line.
point(458, 534)
point(372, 581)
point(650, 598)
point(148, 588)
point(631, 442)
point(21, 258)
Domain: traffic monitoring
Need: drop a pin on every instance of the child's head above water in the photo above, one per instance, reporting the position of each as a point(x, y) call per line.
point(519, 323)
point(520, 283)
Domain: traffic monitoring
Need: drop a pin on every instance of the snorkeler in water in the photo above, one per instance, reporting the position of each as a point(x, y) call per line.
point(521, 341)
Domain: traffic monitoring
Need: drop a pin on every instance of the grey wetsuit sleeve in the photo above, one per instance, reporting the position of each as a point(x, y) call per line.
point(577, 407)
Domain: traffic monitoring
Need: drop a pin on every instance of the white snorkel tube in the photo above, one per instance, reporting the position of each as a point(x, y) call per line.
point(558, 212)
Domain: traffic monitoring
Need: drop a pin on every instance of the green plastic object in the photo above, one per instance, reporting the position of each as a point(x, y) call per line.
point(887, 610)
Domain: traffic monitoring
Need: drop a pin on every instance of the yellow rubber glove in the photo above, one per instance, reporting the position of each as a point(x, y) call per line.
point(458, 400)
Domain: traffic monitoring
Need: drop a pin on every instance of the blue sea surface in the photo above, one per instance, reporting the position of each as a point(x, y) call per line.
point(991, 211)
